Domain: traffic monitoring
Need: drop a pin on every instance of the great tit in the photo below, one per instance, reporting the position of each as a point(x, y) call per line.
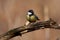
point(31, 17)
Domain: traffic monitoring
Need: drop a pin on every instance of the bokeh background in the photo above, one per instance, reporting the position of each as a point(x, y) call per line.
point(13, 13)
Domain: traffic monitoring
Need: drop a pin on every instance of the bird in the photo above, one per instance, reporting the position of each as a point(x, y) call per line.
point(31, 17)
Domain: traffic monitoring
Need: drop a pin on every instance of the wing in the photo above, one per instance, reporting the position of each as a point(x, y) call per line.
point(37, 17)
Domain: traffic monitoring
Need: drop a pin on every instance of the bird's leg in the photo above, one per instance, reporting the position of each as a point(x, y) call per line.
point(27, 23)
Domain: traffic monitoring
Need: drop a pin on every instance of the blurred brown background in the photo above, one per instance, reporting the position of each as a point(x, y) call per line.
point(13, 13)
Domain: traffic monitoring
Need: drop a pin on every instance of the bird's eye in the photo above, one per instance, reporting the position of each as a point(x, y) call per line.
point(29, 13)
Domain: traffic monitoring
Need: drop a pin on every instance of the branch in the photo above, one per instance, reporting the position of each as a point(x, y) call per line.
point(29, 28)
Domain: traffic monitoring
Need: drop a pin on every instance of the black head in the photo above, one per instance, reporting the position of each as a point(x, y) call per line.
point(30, 12)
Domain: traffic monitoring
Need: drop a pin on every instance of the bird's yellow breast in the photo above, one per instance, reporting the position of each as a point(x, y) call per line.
point(31, 18)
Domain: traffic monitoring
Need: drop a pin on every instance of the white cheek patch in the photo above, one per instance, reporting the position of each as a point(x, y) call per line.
point(29, 13)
